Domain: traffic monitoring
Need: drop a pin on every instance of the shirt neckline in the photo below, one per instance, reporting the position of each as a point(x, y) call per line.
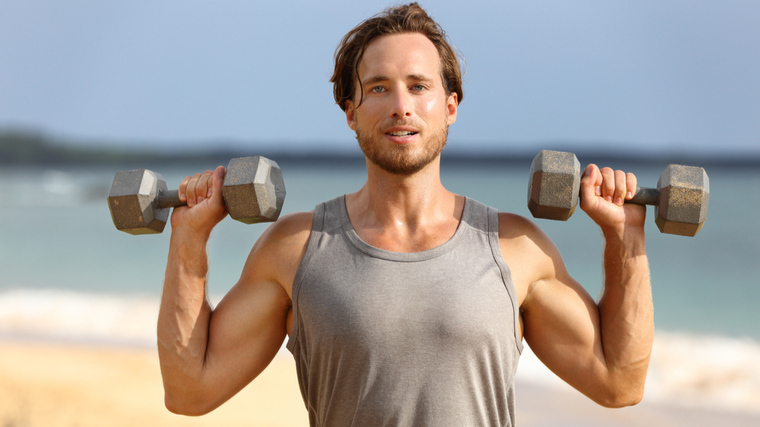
point(376, 252)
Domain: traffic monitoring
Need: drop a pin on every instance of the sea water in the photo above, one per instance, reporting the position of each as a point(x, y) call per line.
point(67, 274)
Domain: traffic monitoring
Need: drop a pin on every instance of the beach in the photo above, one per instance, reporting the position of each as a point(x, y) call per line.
point(54, 384)
point(64, 384)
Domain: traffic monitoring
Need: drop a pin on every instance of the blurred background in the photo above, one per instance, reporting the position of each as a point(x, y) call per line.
point(654, 77)
point(88, 88)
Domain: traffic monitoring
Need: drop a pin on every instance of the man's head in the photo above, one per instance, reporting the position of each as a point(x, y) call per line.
point(409, 18)
point(399, 83)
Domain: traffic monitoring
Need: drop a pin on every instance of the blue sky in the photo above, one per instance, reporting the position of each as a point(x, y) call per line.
point(659, 76)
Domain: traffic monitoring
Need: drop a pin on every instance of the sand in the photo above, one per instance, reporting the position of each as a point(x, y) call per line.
point(54, 385)
point(64, 384)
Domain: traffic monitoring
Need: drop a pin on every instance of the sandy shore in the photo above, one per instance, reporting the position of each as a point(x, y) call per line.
point(53, 384)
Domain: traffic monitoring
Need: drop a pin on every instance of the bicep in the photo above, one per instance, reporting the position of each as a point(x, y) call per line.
point(561, 322)
point(246, 331)
point(249, 325)
point(562, 327)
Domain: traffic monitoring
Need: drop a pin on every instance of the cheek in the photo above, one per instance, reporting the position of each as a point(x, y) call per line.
point(434, 107)
point(430, 105)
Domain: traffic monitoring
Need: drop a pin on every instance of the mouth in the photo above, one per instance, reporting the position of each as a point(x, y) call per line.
point(401, 133)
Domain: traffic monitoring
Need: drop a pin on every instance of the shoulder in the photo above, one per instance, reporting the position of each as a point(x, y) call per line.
point(530, 253)
point(517, 229)
point(277, 254)
point(290, 229)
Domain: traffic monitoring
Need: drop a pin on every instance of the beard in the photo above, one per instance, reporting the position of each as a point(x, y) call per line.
point(402, 160)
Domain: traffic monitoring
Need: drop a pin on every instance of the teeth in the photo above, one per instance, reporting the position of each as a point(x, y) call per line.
point(402, 133)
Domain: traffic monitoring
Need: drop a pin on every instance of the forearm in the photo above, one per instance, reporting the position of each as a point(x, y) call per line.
point(184, 316)
point(626, 312)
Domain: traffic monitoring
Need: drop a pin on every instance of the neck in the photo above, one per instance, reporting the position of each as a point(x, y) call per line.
point(404, 213)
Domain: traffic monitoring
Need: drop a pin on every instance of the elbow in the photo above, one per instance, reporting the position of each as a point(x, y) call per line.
point(185, 405)
point(625, 396)
point(622, 401)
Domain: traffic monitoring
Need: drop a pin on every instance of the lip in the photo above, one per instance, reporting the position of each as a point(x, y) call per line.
point(401, 140)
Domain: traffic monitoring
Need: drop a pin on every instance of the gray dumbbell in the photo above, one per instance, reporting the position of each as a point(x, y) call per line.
point(680, 199)
point(253, 191)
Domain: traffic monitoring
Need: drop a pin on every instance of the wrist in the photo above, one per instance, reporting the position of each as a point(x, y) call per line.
point(189, 252)
point(628, 241)
point(190, 235)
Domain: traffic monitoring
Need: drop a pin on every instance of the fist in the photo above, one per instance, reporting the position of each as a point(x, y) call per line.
point(603, 195)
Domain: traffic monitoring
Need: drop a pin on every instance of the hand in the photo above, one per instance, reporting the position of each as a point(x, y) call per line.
point(603, 193)
point(205, 204)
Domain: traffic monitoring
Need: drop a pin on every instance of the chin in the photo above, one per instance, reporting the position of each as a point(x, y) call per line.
point(402, 160)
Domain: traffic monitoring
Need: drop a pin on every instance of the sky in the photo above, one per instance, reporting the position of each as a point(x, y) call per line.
point(650, 76)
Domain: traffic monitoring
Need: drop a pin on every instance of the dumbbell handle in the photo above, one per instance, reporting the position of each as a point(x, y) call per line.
point(169, 199)
point(645, 196)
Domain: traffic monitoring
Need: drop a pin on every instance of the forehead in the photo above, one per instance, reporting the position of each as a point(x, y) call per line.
point(407, 53)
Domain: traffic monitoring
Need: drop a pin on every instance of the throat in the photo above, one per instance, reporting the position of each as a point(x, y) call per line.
point(395, 230)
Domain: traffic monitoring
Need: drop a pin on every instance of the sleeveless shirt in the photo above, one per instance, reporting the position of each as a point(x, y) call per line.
point(382, 338)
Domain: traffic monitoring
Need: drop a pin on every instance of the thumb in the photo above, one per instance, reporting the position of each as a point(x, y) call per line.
point(589, 182)
point(217, 182)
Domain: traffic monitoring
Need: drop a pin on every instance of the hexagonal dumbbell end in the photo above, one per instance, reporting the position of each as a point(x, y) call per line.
point(131, 201)
point(253, 190)
point(684, 194)
point(554, 184)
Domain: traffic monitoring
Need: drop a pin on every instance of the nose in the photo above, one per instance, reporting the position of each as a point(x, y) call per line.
point(401, 104)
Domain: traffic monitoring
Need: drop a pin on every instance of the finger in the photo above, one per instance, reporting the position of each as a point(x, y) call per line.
point(620, 188)
point(590, 182)
point(190, 189)
point(203, 188)
point(631, 184)
point(183, 189)
point(608, 184)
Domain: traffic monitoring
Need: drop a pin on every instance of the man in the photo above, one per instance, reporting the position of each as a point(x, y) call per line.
point(405, 304)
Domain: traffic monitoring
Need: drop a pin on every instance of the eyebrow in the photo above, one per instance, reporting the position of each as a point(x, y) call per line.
point(374, 79)
point(382, 78)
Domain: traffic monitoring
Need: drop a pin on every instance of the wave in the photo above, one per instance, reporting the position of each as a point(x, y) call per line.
point(53, 314)
point(685, 369)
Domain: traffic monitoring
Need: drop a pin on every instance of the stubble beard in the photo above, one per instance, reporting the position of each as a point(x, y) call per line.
point(402, 160)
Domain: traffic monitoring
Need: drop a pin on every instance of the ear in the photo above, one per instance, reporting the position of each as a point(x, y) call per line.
point(350, 115)
point(451, 108)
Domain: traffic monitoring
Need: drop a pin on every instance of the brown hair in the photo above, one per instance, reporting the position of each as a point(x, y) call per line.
point(410, 18)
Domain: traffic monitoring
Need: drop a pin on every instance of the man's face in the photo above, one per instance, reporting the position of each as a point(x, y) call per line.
point(402, 121)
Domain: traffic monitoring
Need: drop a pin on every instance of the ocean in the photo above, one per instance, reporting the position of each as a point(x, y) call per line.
point(67, 274)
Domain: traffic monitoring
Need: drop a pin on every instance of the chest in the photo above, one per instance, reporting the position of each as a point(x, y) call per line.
point(371, 303)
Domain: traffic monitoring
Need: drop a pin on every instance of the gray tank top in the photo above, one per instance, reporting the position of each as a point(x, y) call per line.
point(383, 338)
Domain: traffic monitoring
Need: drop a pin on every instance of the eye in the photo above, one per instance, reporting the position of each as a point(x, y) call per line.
point(377, 89)
point(418, 87)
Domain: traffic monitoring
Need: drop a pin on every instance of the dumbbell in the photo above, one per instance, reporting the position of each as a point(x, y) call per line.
point(253, 192)
point(680, 199)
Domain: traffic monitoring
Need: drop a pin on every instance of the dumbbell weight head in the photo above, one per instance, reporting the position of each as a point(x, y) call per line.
point(684, 194)
point(253, 190)
point(132, 202)
point(553, 185)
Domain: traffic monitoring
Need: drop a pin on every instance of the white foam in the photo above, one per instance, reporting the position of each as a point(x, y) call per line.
point(705, 371)
point(685, 369)
point(63, 315)
point(74, 316)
